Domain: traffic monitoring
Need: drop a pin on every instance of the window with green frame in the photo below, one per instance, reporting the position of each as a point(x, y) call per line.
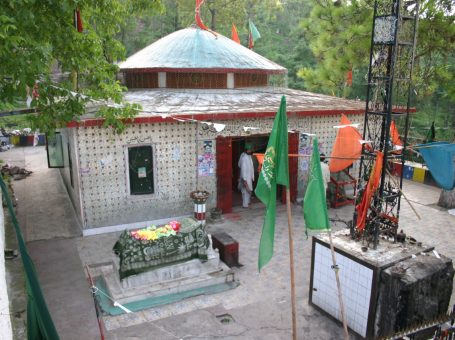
point(140, 164)
point(54, 148)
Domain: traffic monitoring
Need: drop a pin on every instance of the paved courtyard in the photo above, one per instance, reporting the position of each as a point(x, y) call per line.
point(259, 308)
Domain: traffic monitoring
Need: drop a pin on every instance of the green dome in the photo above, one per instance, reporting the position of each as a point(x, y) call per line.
point(197, 50)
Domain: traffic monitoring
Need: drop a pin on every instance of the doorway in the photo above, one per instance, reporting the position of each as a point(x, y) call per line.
point(259, 145)
point(228, 151)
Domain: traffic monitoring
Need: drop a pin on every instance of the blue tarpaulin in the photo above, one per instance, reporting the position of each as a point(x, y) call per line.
point(440, 158)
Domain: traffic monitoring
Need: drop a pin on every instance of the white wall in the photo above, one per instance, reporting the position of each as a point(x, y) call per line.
point(5, 320)
point(69, 137)
point(103, 170)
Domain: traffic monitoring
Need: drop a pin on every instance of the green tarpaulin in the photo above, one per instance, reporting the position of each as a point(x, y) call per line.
point(39, 321)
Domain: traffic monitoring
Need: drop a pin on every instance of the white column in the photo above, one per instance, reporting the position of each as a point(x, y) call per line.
point(230, 80)
point(161, 79)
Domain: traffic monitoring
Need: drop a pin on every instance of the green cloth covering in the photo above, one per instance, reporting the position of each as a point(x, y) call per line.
point(275, 170)
point(138, 256)
point(39, 322)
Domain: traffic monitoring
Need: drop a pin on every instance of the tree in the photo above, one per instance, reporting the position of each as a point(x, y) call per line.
point(39, 38)
point(339, 33)
point(447, 199)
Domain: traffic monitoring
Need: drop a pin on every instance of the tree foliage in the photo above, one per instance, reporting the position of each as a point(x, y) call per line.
point(39, 41)
point(318, 41)
point(340, 34)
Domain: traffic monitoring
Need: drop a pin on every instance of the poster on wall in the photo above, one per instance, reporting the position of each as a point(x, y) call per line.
point(208, 147)
point(205, 165)
point(206, 161)
point(305, 149)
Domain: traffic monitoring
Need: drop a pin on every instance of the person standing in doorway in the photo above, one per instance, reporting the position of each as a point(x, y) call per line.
point(325, 172)
point(246, 175)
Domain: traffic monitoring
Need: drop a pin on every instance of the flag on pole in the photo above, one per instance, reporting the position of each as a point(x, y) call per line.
point(275, 170)
point(349, 78)
point(78, 21)
point(431, 134)
point(371, 187)
point(314, 202)
point(394, 135)
point(197, 15)
point(347, 147)
point(234, 34)
point(253, 35)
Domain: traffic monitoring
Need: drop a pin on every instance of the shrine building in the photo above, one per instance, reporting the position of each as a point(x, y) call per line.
point(202, 97)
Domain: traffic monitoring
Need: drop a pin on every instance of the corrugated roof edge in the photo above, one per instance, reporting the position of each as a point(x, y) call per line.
point(205, 70)
point(216, 117)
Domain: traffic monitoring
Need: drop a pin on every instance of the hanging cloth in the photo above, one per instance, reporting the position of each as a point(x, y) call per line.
point(347, 147)
point(394, 135)
point(440, 158)
point(371, 187)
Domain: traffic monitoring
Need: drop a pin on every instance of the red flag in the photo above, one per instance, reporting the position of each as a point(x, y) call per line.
point(370, 189)
point(78, 21)
point(349, 78)
point(250, 41)
point(347, 147)
point(197, 15)
point(394, 135)
point(234, 34)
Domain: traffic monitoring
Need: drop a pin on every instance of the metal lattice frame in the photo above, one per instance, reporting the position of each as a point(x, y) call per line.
point(388, 98)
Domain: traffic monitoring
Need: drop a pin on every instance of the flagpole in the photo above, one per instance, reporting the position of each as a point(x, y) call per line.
point(340, 296)
point(291, 263)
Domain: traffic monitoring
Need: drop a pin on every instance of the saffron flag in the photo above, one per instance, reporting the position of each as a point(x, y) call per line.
point(394, 135)
point(347, 147)
point(234, 34)
point(197, 15)
point(275, 170)
point(78, 21)
point(349, 78)
point(253, 35)
point(314, 202)
point(370, 189)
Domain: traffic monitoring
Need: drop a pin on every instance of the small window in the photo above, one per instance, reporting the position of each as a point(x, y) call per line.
point(140, 163)
point(54, 147)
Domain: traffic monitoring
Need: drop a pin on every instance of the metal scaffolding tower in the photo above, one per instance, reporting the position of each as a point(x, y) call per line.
point(388, 99)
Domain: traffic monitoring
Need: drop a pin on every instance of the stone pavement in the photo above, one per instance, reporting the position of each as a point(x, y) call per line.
point(258, 309)
point(50, 228)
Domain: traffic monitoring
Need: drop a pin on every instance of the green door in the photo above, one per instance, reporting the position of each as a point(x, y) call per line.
point(140, 160)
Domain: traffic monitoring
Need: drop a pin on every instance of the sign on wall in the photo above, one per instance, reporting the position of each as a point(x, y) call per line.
point(206, 161)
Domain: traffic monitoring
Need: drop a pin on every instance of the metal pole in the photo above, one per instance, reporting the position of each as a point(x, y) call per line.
point(340, 296)
point(291, 263)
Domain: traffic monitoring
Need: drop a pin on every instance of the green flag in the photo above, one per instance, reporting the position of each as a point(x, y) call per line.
point(275, 170)
point(431, 134)
point(253, 34)
point(314, 203)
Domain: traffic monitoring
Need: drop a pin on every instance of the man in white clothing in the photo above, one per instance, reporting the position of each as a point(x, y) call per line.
point(246, 175)
point(325, 172)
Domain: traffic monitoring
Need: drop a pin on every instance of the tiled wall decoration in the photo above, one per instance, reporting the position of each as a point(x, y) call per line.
point(103, 172)
point(356, 285)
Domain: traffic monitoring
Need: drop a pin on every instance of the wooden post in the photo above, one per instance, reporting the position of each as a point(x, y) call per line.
point(291, 263)
point(340, 296)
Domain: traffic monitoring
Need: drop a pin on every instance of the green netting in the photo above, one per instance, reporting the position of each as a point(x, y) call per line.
point(39, 322)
